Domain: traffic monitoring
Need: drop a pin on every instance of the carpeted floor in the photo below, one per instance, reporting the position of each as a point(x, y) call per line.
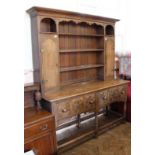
point(116, 141)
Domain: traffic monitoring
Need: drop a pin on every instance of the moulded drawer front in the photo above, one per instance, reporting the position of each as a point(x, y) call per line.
point(118, 93)
point(77, 105)
point(38, 128)
point(90, 102)
point(122, 93)
point(103, 98)
point(70, 107)
point(113, 94)
point(63, 109)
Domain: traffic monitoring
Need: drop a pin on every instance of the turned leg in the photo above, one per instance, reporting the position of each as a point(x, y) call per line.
point(107, 110)
point(38, 99)
point(96, 124)
point(78, 121)
point(124, 111)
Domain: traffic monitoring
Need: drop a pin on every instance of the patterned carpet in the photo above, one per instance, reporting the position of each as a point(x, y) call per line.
point(117, 141)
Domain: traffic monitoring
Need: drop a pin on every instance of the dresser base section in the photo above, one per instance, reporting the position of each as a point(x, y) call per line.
point(84, 111)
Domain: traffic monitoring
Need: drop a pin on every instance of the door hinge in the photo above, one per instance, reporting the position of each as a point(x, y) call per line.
point(44, 81)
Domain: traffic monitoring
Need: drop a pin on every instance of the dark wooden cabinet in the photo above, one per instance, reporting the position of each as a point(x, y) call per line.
point(39, 126)
point(73, 59)
point(37, 145)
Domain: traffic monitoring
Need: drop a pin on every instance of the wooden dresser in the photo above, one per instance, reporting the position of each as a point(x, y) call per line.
point(73, 60)
point(39, 125)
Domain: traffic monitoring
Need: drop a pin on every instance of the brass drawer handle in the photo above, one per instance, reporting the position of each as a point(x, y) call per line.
point(123, 92)
point(43, 127)
point(92, 101)
point(64, 110)
point(104, 97)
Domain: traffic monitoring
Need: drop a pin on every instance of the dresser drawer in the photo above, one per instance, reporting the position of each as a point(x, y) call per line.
point(103, 98)
point(77, 105)
point(89, 102)
point(122, 93)
point(69, 108)
point(38, 128)
point(117, 94)
point(63, 109)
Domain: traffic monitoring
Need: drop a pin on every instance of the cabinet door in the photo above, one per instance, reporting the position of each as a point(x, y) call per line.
point(42, 146)
point(49, 62)
point(109, 58)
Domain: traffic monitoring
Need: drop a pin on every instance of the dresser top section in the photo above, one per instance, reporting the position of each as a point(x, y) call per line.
point(42, 11)
point(82, 88)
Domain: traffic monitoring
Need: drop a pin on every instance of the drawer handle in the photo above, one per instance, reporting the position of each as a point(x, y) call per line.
point(123, 92)
point(92, 101)
point(104, 97)
point(44, 127)
point(64, 110)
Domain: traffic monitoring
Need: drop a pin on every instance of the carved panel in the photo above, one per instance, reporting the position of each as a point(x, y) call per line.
point(80, 21)
point(117, 94)
point(63, 110)
point(103, 98)
point(49, 62)
point(90, 102)
point(78, 105)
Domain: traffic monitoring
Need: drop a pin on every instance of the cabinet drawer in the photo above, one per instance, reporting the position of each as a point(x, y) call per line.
point(69, 108)
point(74, 106)
point(89, 103)
point(77, 105)
point(103, 98)
point(38, 128)
point(122, 93)
point(117, 94)
point(63, 110)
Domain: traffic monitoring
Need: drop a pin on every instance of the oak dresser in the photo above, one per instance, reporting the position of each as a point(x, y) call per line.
point(73, 60)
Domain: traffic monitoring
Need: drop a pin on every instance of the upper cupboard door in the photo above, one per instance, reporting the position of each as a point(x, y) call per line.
point(109, 58)
point(49, 62)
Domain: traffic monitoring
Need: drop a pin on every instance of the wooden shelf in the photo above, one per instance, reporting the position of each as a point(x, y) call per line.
point(82, 35)
point(109, 35)
point(80, 50)
point(66, 69)
point(48, 33)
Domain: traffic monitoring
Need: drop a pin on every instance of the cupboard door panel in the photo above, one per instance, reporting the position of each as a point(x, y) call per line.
point(49, 62)
point(109, 58)
point(41, 146)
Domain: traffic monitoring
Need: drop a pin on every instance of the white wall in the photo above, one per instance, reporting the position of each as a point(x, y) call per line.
point(111, 8)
